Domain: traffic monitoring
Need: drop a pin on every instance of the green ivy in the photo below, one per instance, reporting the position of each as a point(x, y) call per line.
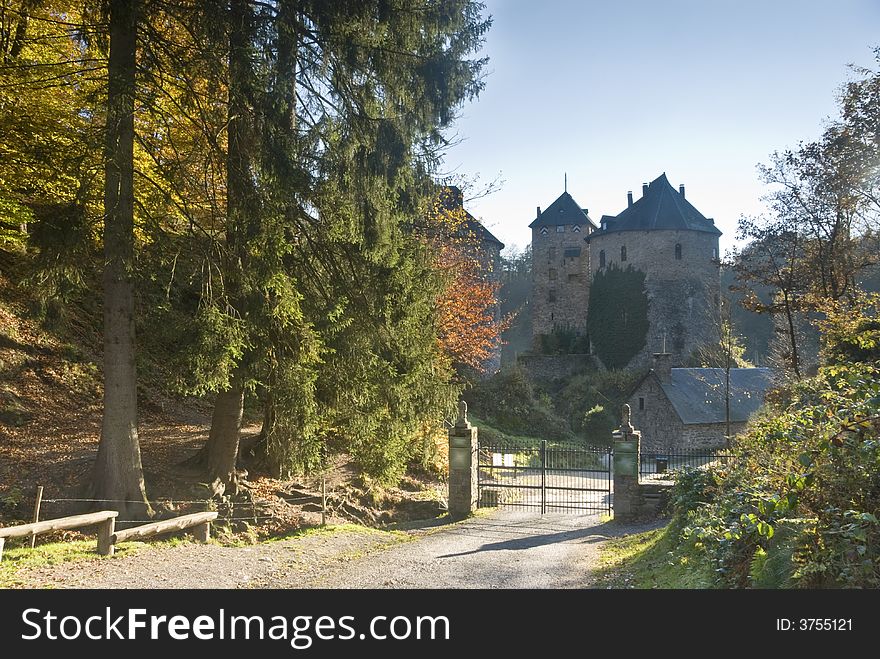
point(617, 317)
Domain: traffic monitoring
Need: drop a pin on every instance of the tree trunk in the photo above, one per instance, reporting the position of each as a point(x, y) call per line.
point(241, 218)
point(118, 471)
point(792, 336)
point(222, 447)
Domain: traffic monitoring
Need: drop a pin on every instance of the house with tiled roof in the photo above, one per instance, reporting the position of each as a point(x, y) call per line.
point(678, 409)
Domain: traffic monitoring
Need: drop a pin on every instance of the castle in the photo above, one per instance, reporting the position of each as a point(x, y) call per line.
point(662, 235)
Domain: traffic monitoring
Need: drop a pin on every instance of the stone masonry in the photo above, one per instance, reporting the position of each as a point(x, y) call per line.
point(463, 464)
point(560, 268)
point(683, 294)
point(628, 499)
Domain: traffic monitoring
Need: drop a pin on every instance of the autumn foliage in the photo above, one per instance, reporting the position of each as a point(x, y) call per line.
point(469, 320)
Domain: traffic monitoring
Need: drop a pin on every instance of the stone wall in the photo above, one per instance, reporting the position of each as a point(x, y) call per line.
point(708, 435)
point(560, 283)
point(683, 295)
point(656, 418)
point(556, 367)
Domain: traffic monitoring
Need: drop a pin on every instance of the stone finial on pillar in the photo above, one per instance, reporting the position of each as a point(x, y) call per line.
point(462, 421)
point(625, 417)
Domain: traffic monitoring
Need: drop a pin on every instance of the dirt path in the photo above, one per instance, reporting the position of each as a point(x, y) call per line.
point(501, 550)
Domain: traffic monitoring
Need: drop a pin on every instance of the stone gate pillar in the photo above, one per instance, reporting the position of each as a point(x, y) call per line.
point(463, 462)
point(628, 500)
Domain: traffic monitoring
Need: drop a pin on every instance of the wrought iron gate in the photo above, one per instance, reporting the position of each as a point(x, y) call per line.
point(549, 477)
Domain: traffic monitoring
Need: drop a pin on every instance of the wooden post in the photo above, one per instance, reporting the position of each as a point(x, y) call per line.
point(105, 537)
point(202, 532)
point(323, 500)
point(2, 542)
point(37, 513)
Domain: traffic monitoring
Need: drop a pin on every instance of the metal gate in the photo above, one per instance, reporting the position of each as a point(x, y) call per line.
point(548, 477)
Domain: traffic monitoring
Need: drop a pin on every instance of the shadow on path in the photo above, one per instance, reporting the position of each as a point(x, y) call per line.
point(590, 534)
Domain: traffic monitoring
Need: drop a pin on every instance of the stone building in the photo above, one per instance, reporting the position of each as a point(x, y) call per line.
point(560, 267)
point(487, 250)
point(661, 234)
point(684, 408)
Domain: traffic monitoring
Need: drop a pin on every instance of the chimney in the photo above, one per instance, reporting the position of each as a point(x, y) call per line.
point(681, 190)
point(644, 189)
point(456, 197)
point(539, 212)
point(663, 366)
point(629, 198)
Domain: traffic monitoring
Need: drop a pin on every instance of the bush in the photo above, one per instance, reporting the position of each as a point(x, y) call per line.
point(800, 509)
point(508, 402)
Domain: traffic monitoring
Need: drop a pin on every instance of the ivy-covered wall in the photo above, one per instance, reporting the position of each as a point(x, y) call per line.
point(617, 317)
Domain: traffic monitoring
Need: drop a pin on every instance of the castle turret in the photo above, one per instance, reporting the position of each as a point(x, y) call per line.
point(676, 247)
point(560, 268)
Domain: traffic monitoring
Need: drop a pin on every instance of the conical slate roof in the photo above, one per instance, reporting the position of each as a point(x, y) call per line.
point(565, 210)
point(662, 207)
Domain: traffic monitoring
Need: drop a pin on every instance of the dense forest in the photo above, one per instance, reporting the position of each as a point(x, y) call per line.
point(247, 191)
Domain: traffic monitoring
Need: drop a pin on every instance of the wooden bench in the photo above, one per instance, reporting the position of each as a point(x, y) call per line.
point(200, 523)
point(105, 519)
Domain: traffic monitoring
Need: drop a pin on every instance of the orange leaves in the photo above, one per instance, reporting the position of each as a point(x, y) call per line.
point(468, 310)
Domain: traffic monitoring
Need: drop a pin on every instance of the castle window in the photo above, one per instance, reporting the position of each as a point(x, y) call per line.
point(641, 403)
point(623, 253)
point(543, 231)
point(551, 296)
point(576, 228)
point(560, 228)
point(714, 252)
point(552, 274)
point(602, 258)
point(678, 251)
point(551, 254)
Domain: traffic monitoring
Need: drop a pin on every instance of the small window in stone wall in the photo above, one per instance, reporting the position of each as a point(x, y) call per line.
point(560, 228)
point(552, 274)
point(623, 253)
point(678, 251)
point(602, 258)
point(551, 295)
point(714, 252)
point(641, 403)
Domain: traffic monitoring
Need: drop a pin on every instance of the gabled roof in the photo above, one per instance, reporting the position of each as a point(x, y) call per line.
point(662, 207)
point(452, 198)
point(698, 394)
point(565, 210)
point(474, 226)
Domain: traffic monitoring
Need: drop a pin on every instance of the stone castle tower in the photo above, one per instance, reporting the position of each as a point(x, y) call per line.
point(662, 235)
point(560, 267)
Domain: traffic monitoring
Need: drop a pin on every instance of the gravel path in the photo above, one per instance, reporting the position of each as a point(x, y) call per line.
point(505, 549)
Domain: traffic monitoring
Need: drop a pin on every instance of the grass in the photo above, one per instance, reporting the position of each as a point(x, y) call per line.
point(333, 529)
point(17, 559)
point(651, 560)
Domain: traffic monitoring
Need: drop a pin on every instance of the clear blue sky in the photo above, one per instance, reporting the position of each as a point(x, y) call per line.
point(615, 93)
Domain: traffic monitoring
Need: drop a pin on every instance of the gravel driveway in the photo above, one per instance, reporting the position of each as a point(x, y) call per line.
point(505, 549)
